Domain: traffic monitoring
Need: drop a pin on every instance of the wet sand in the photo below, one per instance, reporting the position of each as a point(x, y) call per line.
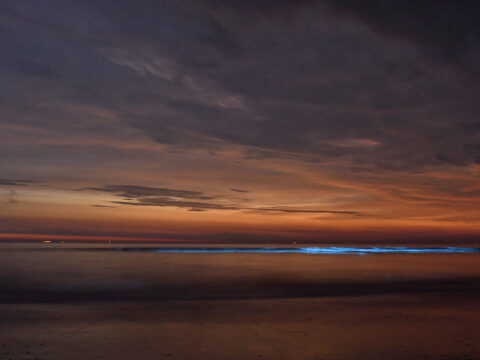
point(372, 327)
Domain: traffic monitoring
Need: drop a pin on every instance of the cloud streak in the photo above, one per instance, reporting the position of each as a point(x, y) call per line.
point(164, 197)
point(134, 191)
point(7, 182)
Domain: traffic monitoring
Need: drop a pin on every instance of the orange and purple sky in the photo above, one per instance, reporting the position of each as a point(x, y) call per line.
point(240, 121)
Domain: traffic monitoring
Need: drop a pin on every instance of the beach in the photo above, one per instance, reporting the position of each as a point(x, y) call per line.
point(75, 302)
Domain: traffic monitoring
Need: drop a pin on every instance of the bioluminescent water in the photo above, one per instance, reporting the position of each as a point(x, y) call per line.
point(305, 250)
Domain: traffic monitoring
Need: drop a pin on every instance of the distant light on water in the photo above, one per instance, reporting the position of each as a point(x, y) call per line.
point(306, 250)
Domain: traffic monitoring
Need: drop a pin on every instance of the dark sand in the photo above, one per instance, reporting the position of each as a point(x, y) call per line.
point(92, 305)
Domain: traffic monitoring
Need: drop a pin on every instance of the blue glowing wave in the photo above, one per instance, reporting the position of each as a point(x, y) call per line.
point(306, 250)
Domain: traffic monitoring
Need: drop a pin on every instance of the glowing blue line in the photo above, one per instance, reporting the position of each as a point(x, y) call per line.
point(308, 250)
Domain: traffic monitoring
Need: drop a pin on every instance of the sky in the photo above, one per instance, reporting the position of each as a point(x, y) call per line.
point(240, 121)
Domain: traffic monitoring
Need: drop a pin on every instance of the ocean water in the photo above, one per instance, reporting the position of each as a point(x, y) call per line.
point(84, 301)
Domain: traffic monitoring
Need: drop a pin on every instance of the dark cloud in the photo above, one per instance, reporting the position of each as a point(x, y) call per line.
point(16, 182)
point(300, 211)
point(161, 197)
point(238, 190)
point(153, 196)
point(370, 89)
point(450, 29)
point(134, 191)
point(279, 77)
point(192, 205)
